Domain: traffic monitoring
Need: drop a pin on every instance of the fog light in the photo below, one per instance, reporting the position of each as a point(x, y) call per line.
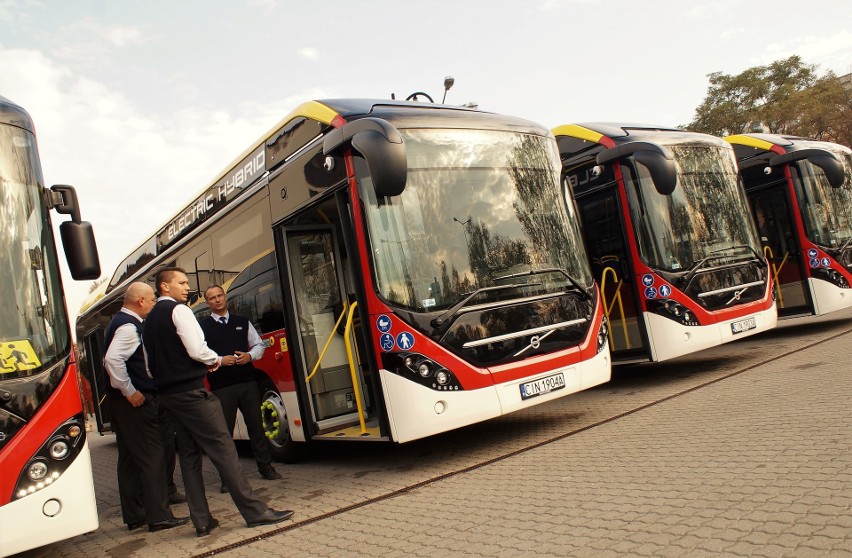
point(424, 370)
point(442, 377)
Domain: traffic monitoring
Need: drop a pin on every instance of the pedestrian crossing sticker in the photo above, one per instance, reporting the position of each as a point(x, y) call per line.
point(17, 356)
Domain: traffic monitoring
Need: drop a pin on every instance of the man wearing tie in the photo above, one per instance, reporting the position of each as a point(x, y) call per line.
point(235, 383)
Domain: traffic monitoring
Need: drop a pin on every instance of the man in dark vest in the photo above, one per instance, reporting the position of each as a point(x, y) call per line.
point(179, 359)
point(137, 418)
point(235, 383)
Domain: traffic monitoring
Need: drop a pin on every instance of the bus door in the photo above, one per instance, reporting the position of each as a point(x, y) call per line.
point(610, 262)
point(771, 210)
point(326, 357)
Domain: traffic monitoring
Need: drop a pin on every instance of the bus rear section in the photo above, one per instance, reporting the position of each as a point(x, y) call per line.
point(669, 236)
point(800, 193)
point(46, 488)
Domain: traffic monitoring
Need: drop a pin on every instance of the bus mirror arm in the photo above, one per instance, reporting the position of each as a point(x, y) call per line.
point(657, 158)
point(826, 160)
point(78, 237)
point(382, 147)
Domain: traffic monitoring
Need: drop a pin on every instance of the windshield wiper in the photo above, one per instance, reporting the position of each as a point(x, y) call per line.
point(714, 255)
point(531, 272)
point(454, 309)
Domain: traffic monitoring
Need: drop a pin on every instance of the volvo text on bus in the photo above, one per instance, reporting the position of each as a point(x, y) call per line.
point(46, 488)
point(411, 268)
point(801, 194)
point(669, 236)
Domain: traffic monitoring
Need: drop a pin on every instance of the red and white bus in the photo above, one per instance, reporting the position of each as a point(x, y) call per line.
point(800, 192)
point(671, 241)
point(411, 267)
point(46, 488)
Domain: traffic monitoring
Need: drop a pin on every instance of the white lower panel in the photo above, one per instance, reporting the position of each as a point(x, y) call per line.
point(827, 297)
point(578, 377)
point(415, 411)
point(71, 502)
point(291, 403)
point(669, 339)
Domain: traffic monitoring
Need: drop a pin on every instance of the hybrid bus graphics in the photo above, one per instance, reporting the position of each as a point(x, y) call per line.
point(669, 237)
point(801, 194)
point(411, 268)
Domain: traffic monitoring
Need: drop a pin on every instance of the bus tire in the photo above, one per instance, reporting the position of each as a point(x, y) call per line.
point(275, 425)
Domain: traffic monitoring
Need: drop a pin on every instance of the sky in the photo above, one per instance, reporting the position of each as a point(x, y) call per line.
point(141, 105)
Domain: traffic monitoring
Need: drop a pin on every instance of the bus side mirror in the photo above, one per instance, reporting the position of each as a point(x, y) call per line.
point(826, 160)
point(78, 237)
point(382, 147)
point(655, 157)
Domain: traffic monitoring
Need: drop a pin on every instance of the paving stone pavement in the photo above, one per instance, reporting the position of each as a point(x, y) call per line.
point(755, 464)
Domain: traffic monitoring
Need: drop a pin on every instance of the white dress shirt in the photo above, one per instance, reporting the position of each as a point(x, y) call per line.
point(257, 347)
point(191, 335)
point(124, 343)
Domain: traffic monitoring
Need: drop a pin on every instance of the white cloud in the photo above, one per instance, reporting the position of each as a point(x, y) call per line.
point(551, 5)
point(309, 52)
point(832, 52)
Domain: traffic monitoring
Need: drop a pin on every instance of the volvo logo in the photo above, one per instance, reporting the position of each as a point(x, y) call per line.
point(736, 296)
point(535, 342)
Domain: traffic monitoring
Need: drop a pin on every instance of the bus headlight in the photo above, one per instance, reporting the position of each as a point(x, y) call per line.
point(37, 470)
point(442, 377)
point(424, 370)
point(59, 450)
point(602, 333)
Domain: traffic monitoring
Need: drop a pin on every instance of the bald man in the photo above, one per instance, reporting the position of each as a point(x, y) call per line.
point(136, 418)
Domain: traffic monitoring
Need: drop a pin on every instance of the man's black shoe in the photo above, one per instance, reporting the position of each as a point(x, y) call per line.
point(168, 523)
point(176, 498)
point(223, 489)
point(269, 517)
point(132, 526)
point(269, 473)
point(204, 531)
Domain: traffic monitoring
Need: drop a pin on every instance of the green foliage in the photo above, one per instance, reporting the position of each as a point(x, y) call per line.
point(784, 97)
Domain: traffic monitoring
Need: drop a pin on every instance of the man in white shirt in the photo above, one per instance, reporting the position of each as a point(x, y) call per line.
point(179, 359)
point(139, 424)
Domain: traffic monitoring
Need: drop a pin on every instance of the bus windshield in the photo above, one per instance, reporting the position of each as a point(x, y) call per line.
point(480, 209)
point(826, 211)
point(33, 326)
point(706, 214)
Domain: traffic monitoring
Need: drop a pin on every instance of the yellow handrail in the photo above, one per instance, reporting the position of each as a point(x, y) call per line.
point(348, 338)
point(608, 307)
point(767, 251)
point(327, 343)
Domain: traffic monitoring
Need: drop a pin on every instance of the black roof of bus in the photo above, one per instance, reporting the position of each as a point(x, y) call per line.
point(11, 113)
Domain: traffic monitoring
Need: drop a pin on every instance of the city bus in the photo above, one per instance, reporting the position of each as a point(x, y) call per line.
point(46, 487)
point(800, 193)
point(669, 237)
point(410, 266)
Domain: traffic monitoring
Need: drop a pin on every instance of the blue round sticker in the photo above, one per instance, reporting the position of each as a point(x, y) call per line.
point(650, 292)
point(386, 341)
point(826, 262)
point(665, 290)
point(383, 323)
point(405, 340)
point(812, 253)
point(814, 262)
point(647, 280)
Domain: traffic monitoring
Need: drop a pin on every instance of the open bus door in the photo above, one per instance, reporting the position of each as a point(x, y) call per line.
point(610, 260)
point(327, 343)
point(771, 210)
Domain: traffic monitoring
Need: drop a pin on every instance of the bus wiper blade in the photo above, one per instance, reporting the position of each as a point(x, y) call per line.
point(454, 309)
point(567, 275)
point(715, 254)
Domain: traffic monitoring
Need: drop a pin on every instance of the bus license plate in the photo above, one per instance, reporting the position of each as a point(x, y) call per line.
point(542, 386)
point(743, 325)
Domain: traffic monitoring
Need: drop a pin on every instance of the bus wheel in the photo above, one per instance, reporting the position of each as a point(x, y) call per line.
point(275, 425)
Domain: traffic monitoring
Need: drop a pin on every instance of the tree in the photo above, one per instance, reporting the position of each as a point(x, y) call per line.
point(784, 97)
